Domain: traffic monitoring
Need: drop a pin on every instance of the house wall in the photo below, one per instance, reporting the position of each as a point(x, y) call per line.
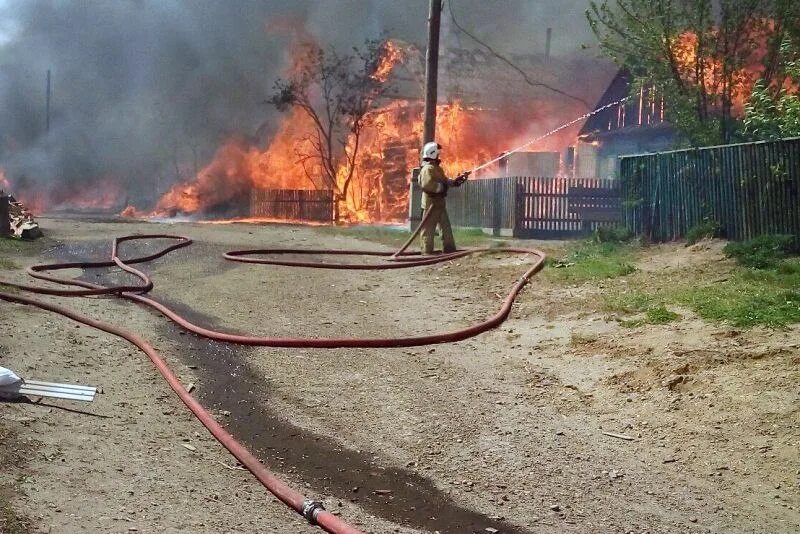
point(586, 160)
point(539, 164)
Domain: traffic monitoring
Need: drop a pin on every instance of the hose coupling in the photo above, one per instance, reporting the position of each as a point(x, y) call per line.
point(311, 510)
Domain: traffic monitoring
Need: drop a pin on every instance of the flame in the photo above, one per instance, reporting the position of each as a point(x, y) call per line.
point(391, 55)
point(378, 188)
point(103, 194)
point(238, 167)
point(388, 148)
point(707, 71)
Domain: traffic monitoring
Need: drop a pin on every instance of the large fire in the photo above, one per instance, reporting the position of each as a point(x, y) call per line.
point(388, 149)
point(104, 194)
point(707, 69)
point(238, 167)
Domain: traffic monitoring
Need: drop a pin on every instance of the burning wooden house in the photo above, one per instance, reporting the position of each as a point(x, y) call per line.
point(634, 126)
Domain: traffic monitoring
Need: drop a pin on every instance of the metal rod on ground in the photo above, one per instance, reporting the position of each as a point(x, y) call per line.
point(432, 71)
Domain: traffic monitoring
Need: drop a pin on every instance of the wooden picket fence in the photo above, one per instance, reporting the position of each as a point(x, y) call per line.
point(535, 207)
point(547, 208)
point(292, 204)
point(747, 189)
point(485, 203)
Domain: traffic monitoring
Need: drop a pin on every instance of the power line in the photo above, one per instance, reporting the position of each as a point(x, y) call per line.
point(509, 62)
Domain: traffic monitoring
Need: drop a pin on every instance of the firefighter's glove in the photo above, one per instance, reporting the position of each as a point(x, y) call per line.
point(461, 178)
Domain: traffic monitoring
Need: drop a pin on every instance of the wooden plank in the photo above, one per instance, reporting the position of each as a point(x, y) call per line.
point(5, 220)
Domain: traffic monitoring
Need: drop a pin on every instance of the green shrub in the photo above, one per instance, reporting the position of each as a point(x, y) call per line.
point(789, 267)
point(701, 231)
point(612, 234)
point(660, 315)
point(763, 252)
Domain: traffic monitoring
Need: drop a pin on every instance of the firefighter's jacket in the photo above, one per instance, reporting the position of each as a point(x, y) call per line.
point(434, 184)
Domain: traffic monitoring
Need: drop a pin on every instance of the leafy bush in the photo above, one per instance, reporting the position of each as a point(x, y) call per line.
point(612, 234)
point(763, 252)
point(660, 315)
point(701, 231)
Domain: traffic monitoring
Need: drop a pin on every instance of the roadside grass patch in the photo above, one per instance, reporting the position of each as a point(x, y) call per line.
point(744, 298)
point(660, 315)
point(749, 297)
point(763, 252)
point(588, 260)
point(6, 263)
point(650, 306)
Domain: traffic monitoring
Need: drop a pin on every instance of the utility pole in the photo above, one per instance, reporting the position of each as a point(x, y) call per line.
point(47, 105)
point(547, 44)
point(432, 71)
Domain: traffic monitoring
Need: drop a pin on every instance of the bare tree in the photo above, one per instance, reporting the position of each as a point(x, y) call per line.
point(337, 93)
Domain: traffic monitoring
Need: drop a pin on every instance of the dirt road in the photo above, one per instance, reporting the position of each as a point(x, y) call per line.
point(504, 431)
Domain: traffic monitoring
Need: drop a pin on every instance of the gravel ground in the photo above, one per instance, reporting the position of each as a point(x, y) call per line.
point(503, 431)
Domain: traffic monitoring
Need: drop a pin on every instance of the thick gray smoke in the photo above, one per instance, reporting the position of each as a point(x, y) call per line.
point(143, 91)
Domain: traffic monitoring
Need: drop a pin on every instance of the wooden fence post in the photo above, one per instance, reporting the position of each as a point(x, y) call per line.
point(5, 220)
point(496, 206)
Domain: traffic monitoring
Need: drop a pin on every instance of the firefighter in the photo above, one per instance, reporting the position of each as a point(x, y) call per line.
point(434, 186)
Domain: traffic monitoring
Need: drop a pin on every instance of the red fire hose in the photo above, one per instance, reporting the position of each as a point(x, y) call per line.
point(312, 510)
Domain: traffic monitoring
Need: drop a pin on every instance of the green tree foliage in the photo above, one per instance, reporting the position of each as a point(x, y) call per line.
point(773, 112)
point(704, 56)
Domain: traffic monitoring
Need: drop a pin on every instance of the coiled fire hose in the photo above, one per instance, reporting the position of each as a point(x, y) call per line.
point(311, 510)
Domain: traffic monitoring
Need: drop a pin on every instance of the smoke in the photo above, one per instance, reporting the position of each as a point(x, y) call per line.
point(144, 91)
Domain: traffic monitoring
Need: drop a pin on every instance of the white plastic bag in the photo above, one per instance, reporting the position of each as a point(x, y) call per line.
point(7, 377)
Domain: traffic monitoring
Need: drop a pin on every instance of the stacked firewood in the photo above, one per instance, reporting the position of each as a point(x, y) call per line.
point(21, 223)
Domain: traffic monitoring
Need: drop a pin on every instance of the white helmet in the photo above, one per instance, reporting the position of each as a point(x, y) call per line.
point(431, 150)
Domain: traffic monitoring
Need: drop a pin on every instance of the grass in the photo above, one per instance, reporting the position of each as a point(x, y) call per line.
point(749, 297)
point(763, 252)
point(7, 264)
point(13, 246)
point(589, 260)
point(744, 298)
point(651, 307)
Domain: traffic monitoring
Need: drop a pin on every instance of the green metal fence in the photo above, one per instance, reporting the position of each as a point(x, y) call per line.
point(747, 189)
